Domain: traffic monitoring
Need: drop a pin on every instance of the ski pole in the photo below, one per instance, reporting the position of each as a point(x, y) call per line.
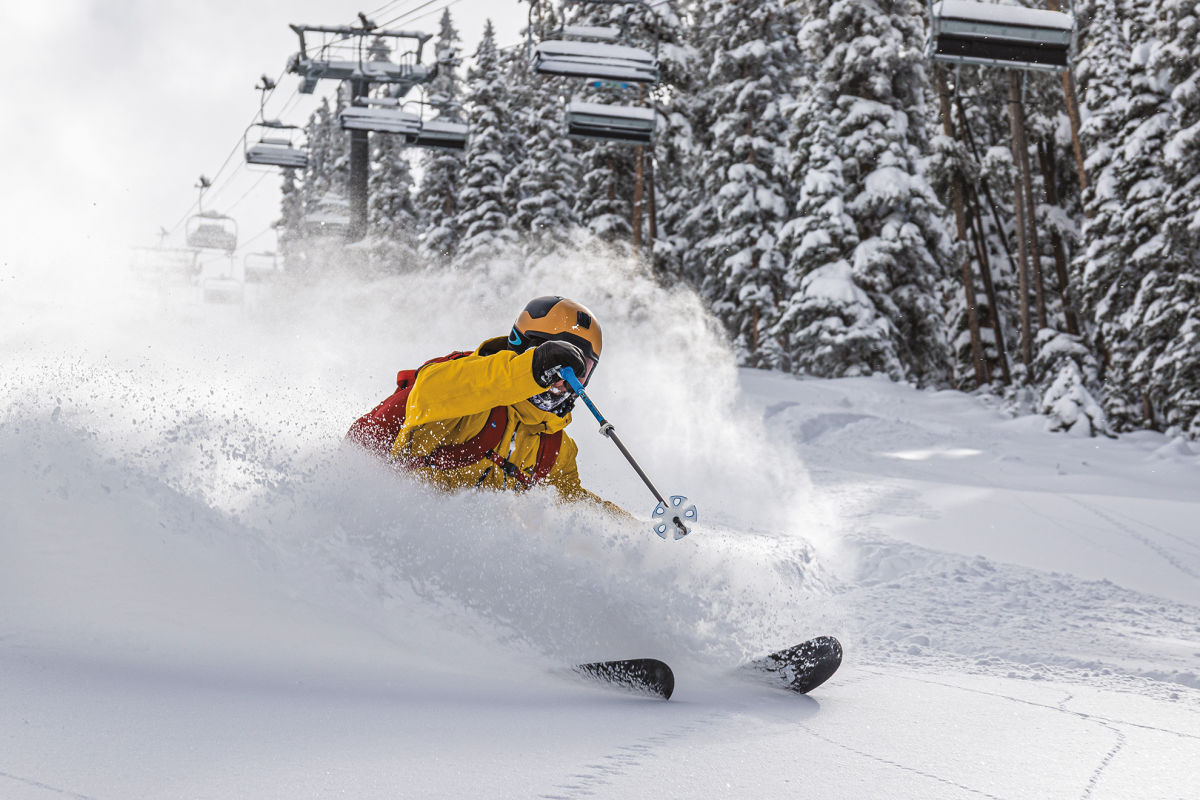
point(607, 429)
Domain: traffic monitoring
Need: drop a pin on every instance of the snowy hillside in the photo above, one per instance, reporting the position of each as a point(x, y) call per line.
point(203, 596)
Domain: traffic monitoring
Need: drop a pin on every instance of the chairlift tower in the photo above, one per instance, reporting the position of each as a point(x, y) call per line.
point(343, 54)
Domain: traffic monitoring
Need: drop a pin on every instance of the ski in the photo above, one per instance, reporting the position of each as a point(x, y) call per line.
point(640, 675)
point(801, 668)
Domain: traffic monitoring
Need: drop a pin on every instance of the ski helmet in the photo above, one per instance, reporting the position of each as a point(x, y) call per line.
point(554, 318)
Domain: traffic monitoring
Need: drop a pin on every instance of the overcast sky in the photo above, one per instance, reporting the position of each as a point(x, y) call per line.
point(111, 109)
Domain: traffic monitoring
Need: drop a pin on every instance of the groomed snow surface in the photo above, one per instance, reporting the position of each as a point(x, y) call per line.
point(203, 596)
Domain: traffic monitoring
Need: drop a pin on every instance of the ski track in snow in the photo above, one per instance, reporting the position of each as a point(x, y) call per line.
point(628, 758)
point(45, 787)
point(897, 765)
point(1158, 550)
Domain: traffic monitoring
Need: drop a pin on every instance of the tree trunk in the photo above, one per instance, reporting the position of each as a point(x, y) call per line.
point(1021, 152)
point(651, 201)
point(638, 174)
point(975, 214)
point(987, 191)
point(1046, 157)
point(960, 218)
point(1072, 102)
point(1014, 102)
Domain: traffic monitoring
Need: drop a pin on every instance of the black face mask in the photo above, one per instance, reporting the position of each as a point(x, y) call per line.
point(559, 403)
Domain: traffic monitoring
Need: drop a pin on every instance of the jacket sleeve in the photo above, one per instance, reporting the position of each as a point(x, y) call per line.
point(565, 478)
point(470, 385)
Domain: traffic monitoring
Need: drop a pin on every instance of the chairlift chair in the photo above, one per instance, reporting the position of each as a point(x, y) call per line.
point(209, 230)
point(164, 264)
point(222, 291)
point(969, 32)
point(441, 135)
point(595, 60)
point(274, 151)
point(380, 120)
point(260, 267)
point(330, 217)
point(632, 124)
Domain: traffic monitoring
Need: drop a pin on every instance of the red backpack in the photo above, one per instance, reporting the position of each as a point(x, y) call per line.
point(377, 430)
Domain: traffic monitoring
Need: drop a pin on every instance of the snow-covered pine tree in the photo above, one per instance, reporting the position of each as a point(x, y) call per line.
point(1123, 241)
point(603, 203)
point(870, 60)
point(483, 216)
point(750, 47)
point(392, 220)
point(436, 201)
point(827, 326)
point(681, 211)
point(1068, 399)
point(1167, 307)
point(545, 182)
point(327, 147)
point(290, 233)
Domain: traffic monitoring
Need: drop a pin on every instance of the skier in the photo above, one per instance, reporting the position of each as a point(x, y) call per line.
point(494, 417)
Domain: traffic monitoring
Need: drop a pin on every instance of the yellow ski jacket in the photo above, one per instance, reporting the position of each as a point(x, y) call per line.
point(451, 402)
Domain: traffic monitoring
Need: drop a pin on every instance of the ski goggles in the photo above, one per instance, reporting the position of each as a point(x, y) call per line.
point(523, 341)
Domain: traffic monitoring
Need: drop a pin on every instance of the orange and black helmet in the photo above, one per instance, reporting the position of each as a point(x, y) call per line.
point(558, 319)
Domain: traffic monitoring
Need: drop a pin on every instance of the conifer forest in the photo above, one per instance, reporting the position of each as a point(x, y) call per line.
point(843, 203)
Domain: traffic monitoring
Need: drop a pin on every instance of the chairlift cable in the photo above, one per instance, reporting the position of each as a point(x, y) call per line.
point(246, 193)
point(384, 7)
point(434, 11)
point(257, 236)
point(236, 147)
point(410, 12)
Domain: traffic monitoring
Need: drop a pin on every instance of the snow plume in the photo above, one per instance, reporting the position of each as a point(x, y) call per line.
point(161, 439)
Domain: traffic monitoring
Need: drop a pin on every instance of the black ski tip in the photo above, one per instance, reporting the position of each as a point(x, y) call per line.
point(640, 675)
point(803, 667)
point(825, 655)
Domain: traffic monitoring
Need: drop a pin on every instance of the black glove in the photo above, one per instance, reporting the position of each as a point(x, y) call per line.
point(549, 356)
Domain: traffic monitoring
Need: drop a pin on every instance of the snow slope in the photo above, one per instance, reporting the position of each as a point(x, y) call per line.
point(202, 595)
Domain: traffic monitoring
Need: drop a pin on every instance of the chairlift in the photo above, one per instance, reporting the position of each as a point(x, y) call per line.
point(329, 217)
point(274, 151)
point(260, 267)
point(222, 290)
point(343, 56)
point(274, 147)
point(164, 264)
point(969, 32)
point(595, 60)
point(441, 134)
point(631, 124)
point(379, 120)
point(209, 230)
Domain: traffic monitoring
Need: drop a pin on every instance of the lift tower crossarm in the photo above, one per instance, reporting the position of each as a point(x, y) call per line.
point(348, 30)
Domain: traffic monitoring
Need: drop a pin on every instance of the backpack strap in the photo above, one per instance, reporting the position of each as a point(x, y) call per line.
point(548, 449)
point(548, 446)
point(453, 456)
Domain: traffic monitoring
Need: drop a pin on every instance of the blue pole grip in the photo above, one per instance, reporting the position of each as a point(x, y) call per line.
point(568, 375)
